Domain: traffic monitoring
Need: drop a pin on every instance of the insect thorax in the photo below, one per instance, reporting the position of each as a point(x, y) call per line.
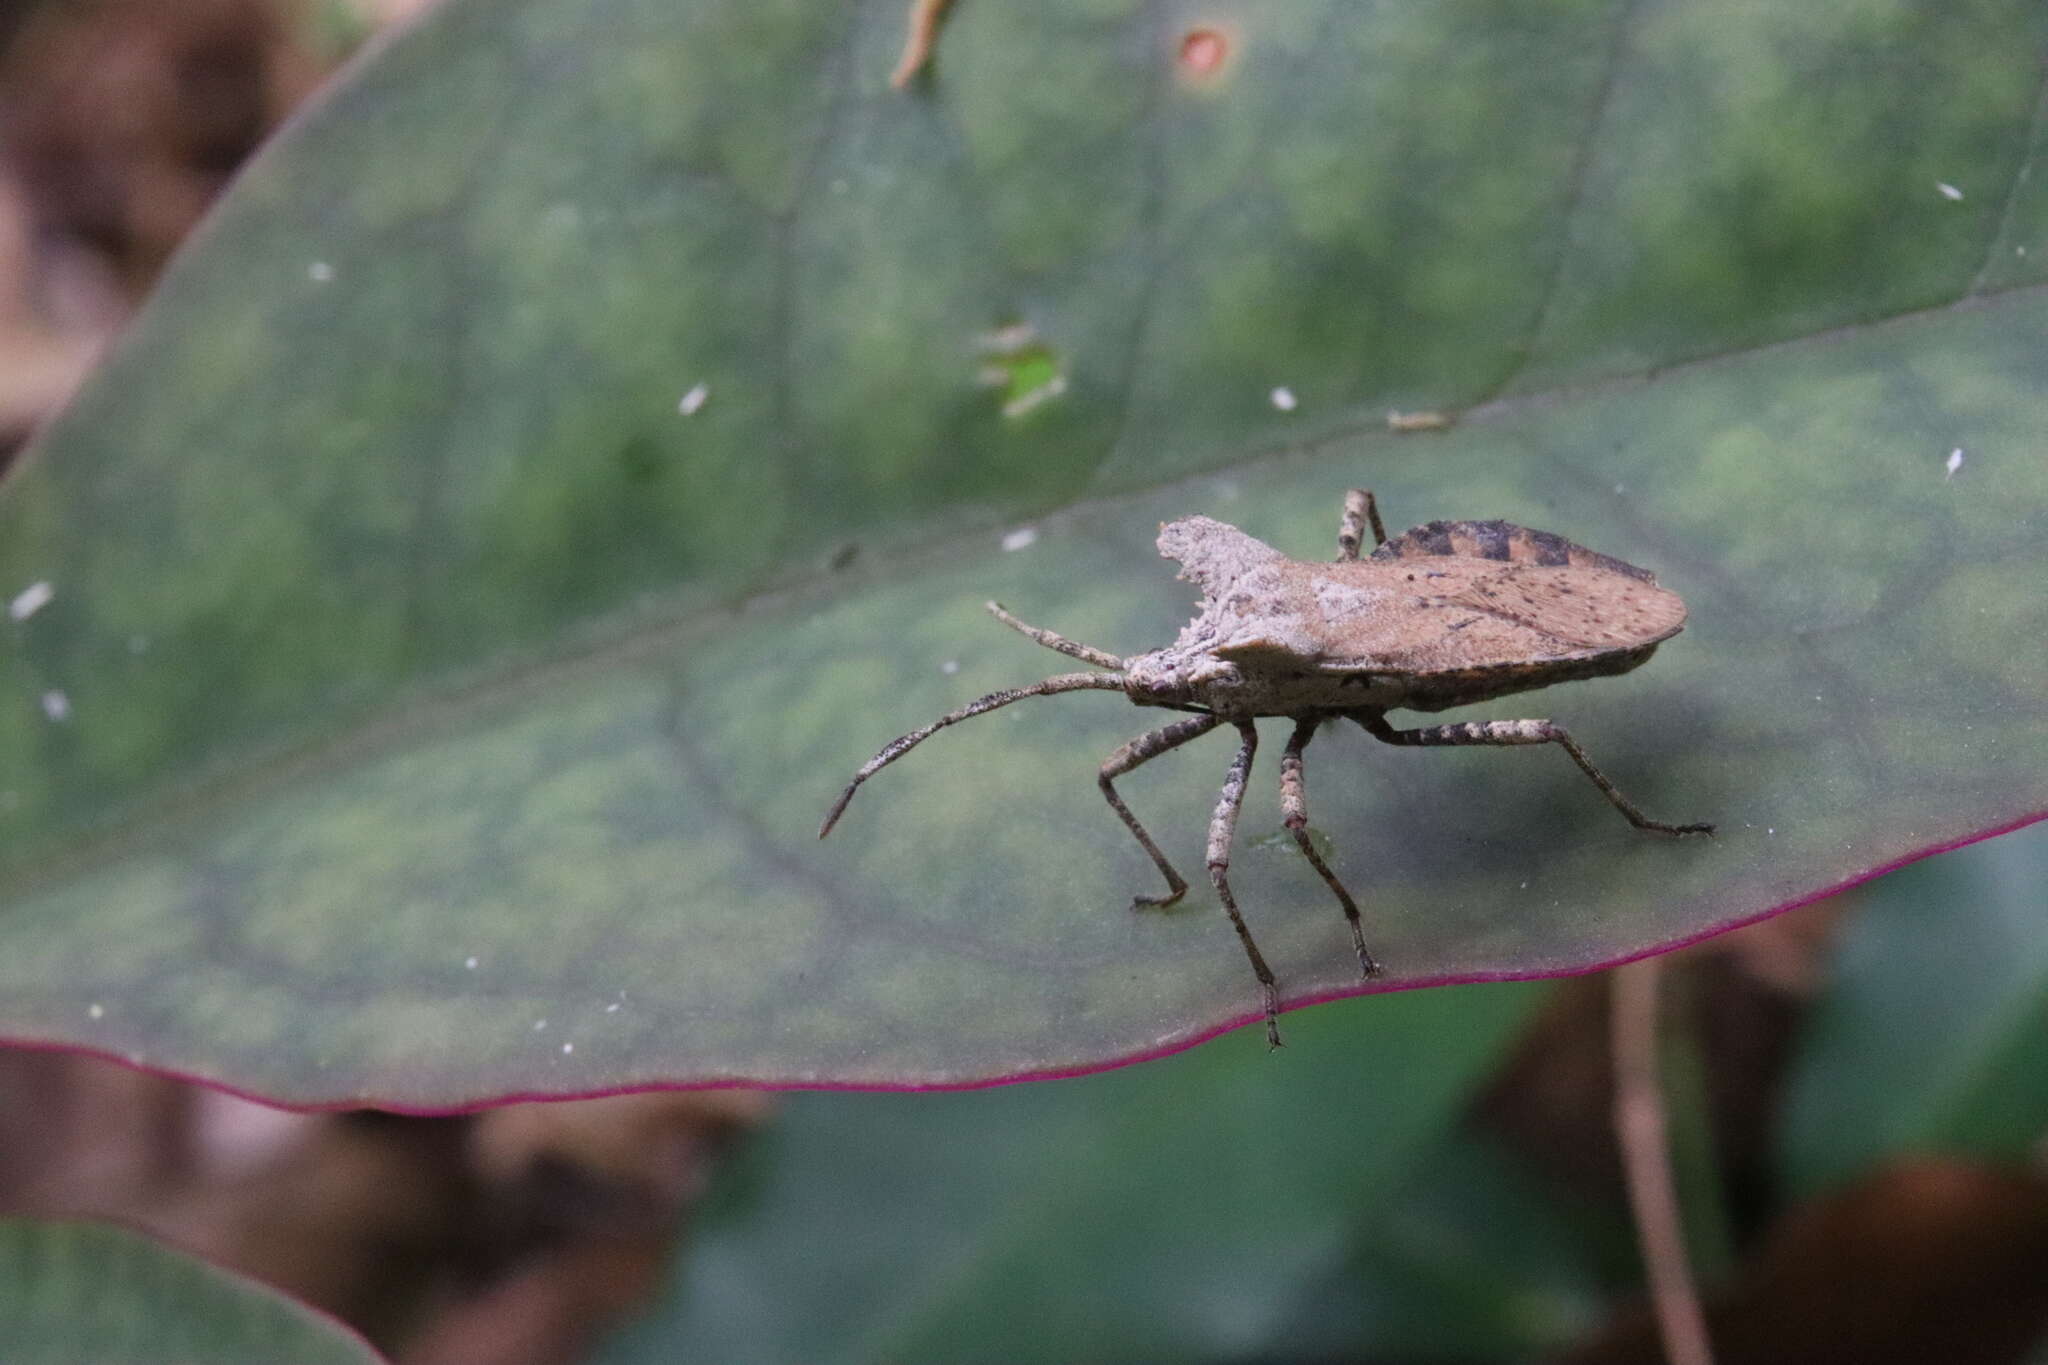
point(1177, 676)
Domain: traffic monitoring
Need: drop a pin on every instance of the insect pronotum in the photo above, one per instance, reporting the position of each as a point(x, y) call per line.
point(1449, 613)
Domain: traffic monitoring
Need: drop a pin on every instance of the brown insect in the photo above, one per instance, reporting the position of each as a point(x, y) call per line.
point(1446, 614)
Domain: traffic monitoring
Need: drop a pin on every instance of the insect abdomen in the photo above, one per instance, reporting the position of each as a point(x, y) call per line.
point(1501, 540)
point(1459, 687)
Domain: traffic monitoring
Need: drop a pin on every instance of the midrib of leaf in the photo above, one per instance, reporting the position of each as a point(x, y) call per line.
point(2036, 127)
point(1571, 203)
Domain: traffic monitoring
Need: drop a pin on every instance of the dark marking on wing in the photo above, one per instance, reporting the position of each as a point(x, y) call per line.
point(1502, 540)
point(1433, 539)
point(1483, 539)
point(1541, 547)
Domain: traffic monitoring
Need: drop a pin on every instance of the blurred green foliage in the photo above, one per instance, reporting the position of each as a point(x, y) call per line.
point(75, 1292)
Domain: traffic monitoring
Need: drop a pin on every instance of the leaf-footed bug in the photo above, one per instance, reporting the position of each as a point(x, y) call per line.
point(1449, 613)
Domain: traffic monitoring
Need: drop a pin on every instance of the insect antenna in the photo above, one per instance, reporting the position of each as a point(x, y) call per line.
point(1087, 654)
point(896, 748)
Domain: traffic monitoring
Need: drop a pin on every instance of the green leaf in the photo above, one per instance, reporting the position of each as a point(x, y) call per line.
point(73, 1292)
point(1169, 1212)
point(1929, 1037)
point(1472, 1258)
point(422, 681)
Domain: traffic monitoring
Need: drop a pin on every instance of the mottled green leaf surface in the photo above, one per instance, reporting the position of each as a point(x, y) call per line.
point(1191, 1210)
point(1930, 1036)
point(434, 705)
point(73, 1293)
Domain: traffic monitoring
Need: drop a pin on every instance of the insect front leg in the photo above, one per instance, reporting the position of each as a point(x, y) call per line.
point(1504, 732)
point(1359, 510)
point(1129, 757)
point(1222, 829)
point(1294, 810)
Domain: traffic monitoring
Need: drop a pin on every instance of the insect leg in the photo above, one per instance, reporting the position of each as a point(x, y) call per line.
point(1129, 757)
point(1294, 809)
point(896, 748)
point(1222, 828)
point(1087, 654)
point(1359, 509)
point(1523, 732)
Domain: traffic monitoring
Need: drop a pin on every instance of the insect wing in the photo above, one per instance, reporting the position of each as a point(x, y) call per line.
point(1450, 613)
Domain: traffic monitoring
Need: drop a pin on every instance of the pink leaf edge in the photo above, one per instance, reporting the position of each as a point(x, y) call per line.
point(1176, 1045)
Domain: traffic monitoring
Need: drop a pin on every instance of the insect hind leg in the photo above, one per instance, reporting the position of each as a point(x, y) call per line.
point(1510, 732)
point(1130, 756)
point(1360, 510)
point(1294, 811)
point(1222, 829)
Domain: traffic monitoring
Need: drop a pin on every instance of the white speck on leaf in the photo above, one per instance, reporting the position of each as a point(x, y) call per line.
point(1955, 462)
point(96, 1011)
point(1008, 340)
point(31, 600)
point(693, 402)
point(1948, 191)
point(539, 1024)
point(950, 667)
point(56, 705)
point(612, 1008)
point(568, 1048)
point(1023, 538)
point(320, 272)
point(470, 963)
point(1283, 398)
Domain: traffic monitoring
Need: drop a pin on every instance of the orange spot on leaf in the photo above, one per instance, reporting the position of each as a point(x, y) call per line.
point(1203, 52)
